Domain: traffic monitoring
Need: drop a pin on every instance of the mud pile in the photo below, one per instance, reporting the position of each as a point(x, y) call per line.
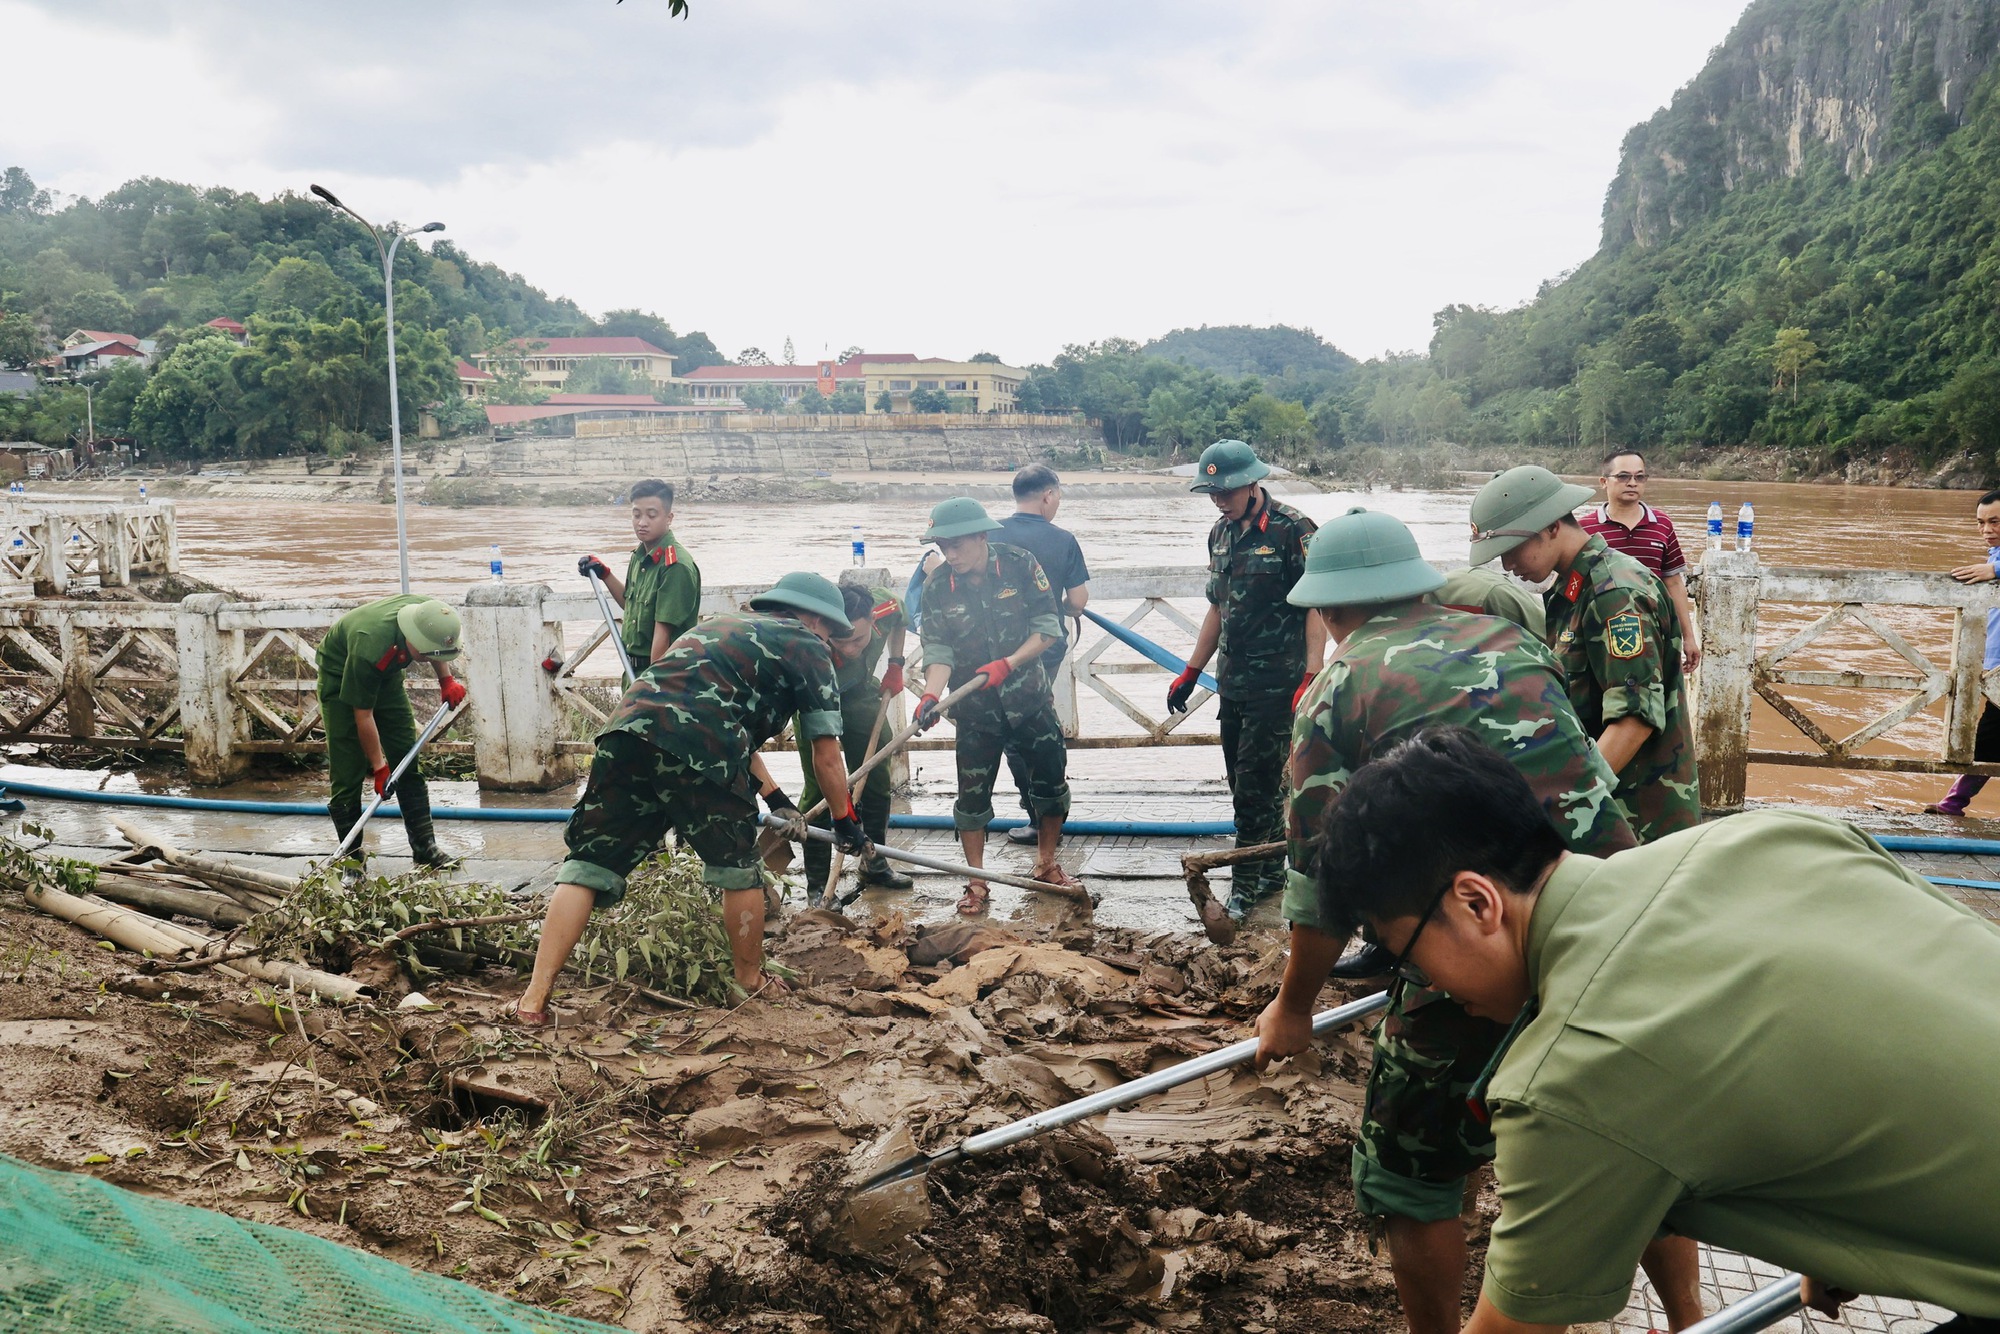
point(661, 1169)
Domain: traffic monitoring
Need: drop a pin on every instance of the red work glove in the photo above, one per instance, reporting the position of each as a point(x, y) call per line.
point(382, 781)
point(997, 671)
point(1300, 693)
point(927, 713)
point(589, 565)
point(1183, 686)
point(453, 691)
point(892, 678)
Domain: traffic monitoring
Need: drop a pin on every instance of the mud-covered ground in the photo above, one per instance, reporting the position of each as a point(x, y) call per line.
point(673, 1169)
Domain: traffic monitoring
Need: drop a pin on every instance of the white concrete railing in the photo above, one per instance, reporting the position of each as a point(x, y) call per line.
point(45, 546)
point(1732, 589)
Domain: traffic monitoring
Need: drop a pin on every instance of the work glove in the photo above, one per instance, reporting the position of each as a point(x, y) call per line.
point(787, 810)
point(1183, 686)
point(1300, 693)
point(927, 713)
point(382, 781)
point(453, 691)
point(848, 835)
point(892, 679)
point(589, 565)
point(997, 671)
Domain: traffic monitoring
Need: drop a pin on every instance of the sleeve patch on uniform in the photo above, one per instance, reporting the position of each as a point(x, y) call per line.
point(1625, 635)
point(1041, 580)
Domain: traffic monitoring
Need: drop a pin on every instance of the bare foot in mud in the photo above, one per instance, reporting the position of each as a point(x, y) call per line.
point(769, 986)
point(973, 902)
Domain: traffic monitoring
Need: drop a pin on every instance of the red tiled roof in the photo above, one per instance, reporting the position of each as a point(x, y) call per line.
point(227, 325)
point(100, 336)
point(589, 347)
point(468, 371)
point(604, 400)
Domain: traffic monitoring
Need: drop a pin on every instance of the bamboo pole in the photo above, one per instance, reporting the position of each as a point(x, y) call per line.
point(216, 909)
point(120, 926)
point(278, 972)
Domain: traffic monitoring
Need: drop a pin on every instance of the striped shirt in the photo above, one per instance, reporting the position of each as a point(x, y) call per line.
point(1652, 541)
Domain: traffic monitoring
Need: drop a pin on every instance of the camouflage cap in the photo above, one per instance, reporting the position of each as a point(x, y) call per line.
point(1360, 558)
point(959, 517)
point(1226, 465)
point(1516, 505)
point(430, 628)
point(805, 591)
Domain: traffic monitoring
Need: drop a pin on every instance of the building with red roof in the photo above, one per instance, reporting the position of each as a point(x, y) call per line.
point(977, 386)
point(473, 382)
point(548, 362)
point(234, 328)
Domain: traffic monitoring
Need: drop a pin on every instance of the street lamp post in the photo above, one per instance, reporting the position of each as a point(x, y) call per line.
point(388, 255)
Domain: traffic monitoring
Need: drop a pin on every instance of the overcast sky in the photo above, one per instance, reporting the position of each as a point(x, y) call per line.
point(940, 178)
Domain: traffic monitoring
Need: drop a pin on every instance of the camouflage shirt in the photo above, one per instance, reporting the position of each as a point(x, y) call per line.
point(662, 583)
point(728, 686)
point(854, 673)
point(1251, 566)
point(1416, 665)
point(1619, 642)
point(969, 620)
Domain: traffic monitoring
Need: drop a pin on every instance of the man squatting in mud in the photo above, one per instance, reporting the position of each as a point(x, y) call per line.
point(681, 752)
point(1403, 662)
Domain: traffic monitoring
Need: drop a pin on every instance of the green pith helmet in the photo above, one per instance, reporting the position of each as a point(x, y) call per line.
point(1362, 557)
point(1516, 505)
point(959, 517)
point(807, 592)
point(430, 628)
point(1226, 465)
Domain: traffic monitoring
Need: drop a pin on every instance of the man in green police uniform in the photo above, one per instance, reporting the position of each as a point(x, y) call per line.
point(1270, 651)
point(681, 752)
point(879, 626)
point(990, 609)
point(366, 713)
point(1763, 1033)
point(1616, 633)
point(661, 590)
point(1403, 663)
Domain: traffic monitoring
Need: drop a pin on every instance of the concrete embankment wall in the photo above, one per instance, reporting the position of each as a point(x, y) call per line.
point(793, 452)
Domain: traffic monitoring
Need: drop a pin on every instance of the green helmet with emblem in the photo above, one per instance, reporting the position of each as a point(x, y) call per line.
point(806, 591)
point(959, 517)
point(430, 628)
point(1516, 505)
point(1226, 465)
point(1361, 558)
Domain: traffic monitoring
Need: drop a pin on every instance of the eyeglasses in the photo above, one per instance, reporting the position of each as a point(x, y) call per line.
point(1402, 969)
point(1628, 477)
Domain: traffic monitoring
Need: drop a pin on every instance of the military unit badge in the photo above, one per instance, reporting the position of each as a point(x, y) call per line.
point(1625, 635)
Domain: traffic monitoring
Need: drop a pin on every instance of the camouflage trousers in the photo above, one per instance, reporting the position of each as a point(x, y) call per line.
point(1256, 741)
point(1419, 1137)
point(858, 711)
point(635, 794)
point(1024, 724)
point(347, 768)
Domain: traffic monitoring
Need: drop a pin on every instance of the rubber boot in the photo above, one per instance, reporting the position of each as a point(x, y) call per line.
point(415, 799)
point(1961, 795)
point(345, 817)
point(876, 872)
point(818, 857)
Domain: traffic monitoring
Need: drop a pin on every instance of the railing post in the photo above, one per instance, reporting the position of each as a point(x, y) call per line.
point(170, 535)
point(515, 719)
point(74, 645)
point(211, 724)
point(52, 569)
point(1968, 684)
point(1729, 584)
point(114, 550)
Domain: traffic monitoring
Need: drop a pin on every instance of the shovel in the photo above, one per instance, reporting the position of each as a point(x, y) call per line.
point(777, 853)
point(928, 862)
point(353, 838)
point(611, 626)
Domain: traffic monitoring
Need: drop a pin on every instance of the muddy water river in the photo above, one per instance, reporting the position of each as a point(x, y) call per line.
point(292, 549)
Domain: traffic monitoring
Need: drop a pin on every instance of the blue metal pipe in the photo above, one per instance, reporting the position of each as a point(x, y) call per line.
point(1157, 828)
point(1964, 847)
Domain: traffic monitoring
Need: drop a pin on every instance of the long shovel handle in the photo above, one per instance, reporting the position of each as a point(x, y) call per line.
point(931, 863)
point(839, 859)
point(347, 844)
point(1760, 1310)
point(611, 626)
point(902, 738)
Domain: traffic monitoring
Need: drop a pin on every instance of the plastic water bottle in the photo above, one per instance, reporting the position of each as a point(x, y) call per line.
point(1746, 520)
point(142, 493)
point(493, 560)
point(1715, 525)
point(860, 548)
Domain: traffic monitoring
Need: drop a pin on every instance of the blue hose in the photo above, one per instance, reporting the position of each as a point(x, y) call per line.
point(1965, 847)
point(1992, 886)
point(1162, 828)
point(1162, 657)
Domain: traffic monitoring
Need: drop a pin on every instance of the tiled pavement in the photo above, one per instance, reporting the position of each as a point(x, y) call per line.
point(1727, 1278)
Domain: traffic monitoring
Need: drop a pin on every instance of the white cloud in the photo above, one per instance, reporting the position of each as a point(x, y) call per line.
point(917, 177)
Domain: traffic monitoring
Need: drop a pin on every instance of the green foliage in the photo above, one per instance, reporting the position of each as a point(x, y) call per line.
point(810, 402)
point(849, 401)
point(691, 351)
point(762, 398)
point(883, 403)
point(929, 400)
point(21, 341)
point(605, 375)
point(1241, 349)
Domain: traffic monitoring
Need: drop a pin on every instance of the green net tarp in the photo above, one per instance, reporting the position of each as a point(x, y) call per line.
point(77, 1253)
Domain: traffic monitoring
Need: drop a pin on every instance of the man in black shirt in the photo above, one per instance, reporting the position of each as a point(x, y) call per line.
point(1037, 496)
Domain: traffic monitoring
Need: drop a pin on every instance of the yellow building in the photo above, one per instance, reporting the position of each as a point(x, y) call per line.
point(978, 386)
point(547, 362)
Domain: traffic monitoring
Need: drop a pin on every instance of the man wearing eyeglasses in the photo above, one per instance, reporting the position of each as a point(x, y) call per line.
point(1403, 662)
point(1763, 1033)
point(1628, 524)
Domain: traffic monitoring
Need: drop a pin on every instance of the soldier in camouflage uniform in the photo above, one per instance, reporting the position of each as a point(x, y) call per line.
point(990, 609)
point(681, 753)
point(1616, 634)
point(1270, 651)
point(879, 627)
point(1404, 663)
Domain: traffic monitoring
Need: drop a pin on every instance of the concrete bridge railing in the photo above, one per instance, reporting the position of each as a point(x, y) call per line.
point(47, 547)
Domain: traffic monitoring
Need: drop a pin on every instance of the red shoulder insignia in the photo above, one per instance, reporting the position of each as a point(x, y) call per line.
point(672, 555)
point(883, 609)
point(397, 656)
point(1264, 521)
point(1574, 588)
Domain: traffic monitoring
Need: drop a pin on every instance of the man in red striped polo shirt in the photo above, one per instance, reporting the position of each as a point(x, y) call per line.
point(1628, 524)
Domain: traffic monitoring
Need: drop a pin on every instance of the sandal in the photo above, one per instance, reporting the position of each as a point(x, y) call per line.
point(973, 902)
point(1053, 874)
point(772, 984)
point(527, 1018)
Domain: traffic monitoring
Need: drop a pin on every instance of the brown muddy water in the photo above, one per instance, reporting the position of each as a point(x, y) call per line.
point(290, 549)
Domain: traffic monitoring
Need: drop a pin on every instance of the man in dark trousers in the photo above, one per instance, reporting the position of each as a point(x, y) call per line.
point(661, 590)
point(1032, 527)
